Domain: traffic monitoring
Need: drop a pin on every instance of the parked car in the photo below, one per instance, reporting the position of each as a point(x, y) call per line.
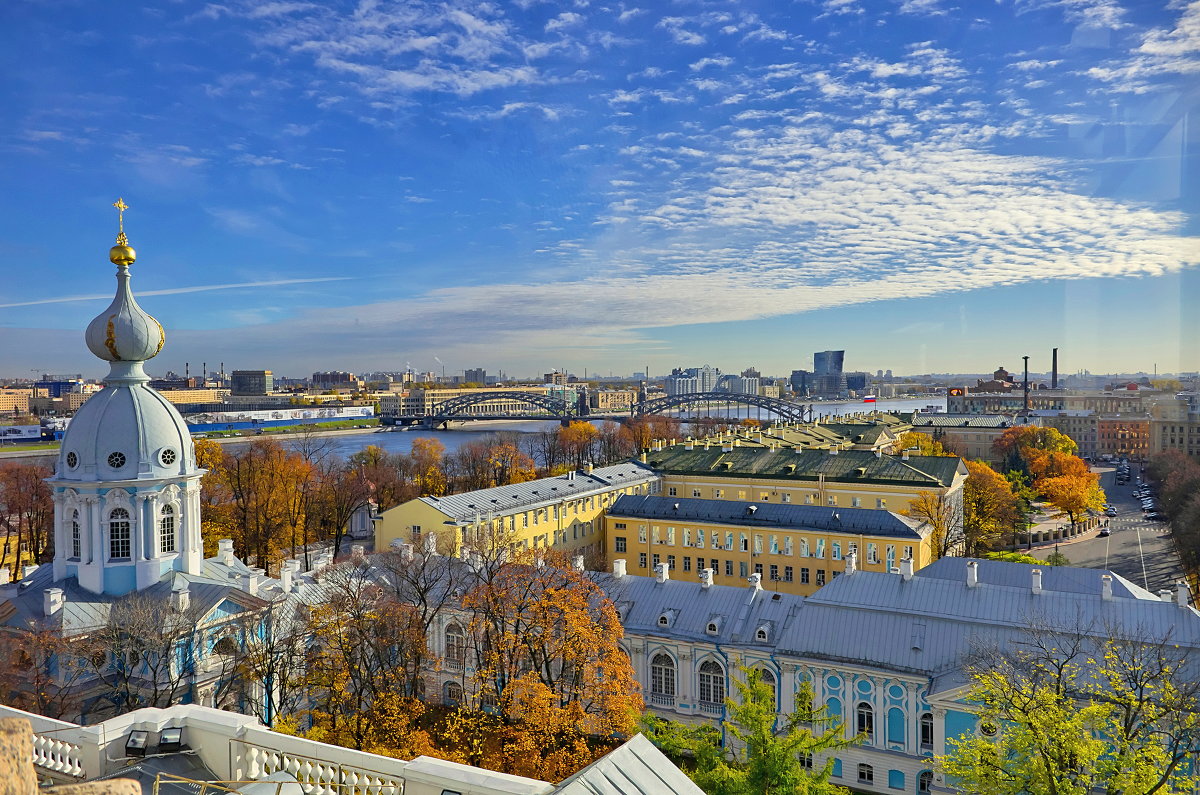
point(1111, 512)
point(1158, 517)
point(1105, 533)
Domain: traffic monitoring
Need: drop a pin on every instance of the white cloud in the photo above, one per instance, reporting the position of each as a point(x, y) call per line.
point(719, 61)
point(674, 26)
point(564, 21)
point(203, 288)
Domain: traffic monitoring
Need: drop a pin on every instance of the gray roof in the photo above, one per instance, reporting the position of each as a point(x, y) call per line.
point(769, 515)
point(924, 626)
point(22, 603)
point(964, 421)
point(146, 772)
point(636, 767)
point(503, 500)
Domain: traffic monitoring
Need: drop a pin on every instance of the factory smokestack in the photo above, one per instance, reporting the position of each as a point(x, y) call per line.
point(1054, 369)
point(1026, 358)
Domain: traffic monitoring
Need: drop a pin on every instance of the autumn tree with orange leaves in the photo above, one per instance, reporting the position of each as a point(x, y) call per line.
point(548, 661)
point(26, 516)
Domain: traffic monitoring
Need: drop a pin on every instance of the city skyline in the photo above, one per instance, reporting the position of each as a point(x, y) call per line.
point(608, 187)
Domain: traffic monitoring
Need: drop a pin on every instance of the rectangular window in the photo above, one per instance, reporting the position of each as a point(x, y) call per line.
point(786, 497)
point(774, 545)
point(525, 519)
point(908, 552)
point(641, 534)
point(833, 499)
point(743, 542)
point(656, 535)
point(804, 575)
point(774, 572)
point(787, 573)
point(820, 552)
point(787, 545)
point(620, 545)
point(687, 537)
point(891, 556)
point(716, 564)
point(764, 497)
point(743, 570)
point(758, 568)
point(729, 568)
point(855, 502)
point(820, 576)
point(837, 550)
point(872, 552)
point(699, 538)
point(671, 562)
point(641, 560)
point(687, 562)
point(804, 548)
point(741, 494)
point(671, 491)
point(881, 503)
point(809, 499)
point(619, 526)
point(655, 559)
point(728, 542)
point(758, 543)
point(671, 536)
point(695, 492)
point(717, 494)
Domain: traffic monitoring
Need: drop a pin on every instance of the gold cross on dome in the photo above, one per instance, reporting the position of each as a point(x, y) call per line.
point(121, 208)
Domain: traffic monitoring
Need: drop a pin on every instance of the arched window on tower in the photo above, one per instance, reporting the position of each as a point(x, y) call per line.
point(76, 540)
point(118, 533)
point(166, 529)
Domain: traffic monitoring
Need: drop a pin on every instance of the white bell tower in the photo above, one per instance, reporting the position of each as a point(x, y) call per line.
point(126, 487)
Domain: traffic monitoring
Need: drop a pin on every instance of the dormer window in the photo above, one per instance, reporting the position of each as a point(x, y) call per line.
point(664, 620)
point(761, 634)
point(713, 627)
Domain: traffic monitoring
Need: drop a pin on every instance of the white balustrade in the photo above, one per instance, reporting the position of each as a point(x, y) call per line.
point(57, 756)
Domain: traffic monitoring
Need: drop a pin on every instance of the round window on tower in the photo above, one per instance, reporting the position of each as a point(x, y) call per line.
point(116, 460)
point(72, 460)
point(168, 457)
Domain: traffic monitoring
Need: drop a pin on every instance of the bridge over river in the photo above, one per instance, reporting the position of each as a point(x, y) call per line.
point(475, 406)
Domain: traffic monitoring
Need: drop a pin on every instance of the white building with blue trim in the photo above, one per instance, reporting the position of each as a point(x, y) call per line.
point(884, 651)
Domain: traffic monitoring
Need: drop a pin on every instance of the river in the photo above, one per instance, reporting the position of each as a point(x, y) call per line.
point(349, 442)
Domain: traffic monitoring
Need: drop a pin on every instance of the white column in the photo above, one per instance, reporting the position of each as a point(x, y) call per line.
point(62, 549)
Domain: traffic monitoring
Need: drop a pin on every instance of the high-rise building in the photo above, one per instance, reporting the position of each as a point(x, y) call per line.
point(252, 382)
point(828, 362)
point(476, 375)
point(800, 382)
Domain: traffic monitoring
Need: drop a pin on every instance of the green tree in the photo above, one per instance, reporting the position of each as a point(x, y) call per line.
point(773, 755)
point(1072, 713)
point(1057, 558)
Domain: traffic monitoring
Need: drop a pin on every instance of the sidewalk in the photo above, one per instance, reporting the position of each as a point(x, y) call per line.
point(1047, 531)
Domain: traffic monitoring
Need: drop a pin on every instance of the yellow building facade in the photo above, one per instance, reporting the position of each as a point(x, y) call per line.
point(796, 549)
point(563, 512)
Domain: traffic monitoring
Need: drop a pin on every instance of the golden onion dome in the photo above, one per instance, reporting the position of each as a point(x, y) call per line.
point(122, 254)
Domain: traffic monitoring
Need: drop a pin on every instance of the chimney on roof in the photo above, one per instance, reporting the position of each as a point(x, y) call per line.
point(1106, 586)
point(972, 573)
point(878, 453)
point(690, 444)
point(287, 575)
point(1166, 594)
point(406, 553)
point(727, 447)
point(706, 577)
point(577, 562)
point(642, 457)
point(619, 568)
point(851, 562)
point(589, 468)
point(225, 551)
point(833, 451)
point(248, 581)
point(181, 598)
point(431, 546)
point(1181, 593)
point(662, 572)
point(903, 455)
point(1037, 581)
point(755, 581)
point(906, 569)
point(52, 601)
point(1054, 368)
point(358, 551)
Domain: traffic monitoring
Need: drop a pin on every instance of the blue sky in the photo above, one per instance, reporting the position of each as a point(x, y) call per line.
point(931, 185)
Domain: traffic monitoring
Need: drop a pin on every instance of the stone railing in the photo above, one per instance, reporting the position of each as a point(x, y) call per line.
point(319, 768)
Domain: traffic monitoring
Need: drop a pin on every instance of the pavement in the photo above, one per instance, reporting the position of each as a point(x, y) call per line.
point(1138, 549)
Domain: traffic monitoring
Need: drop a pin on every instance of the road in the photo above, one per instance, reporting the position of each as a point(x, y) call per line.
point(1138, 549)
